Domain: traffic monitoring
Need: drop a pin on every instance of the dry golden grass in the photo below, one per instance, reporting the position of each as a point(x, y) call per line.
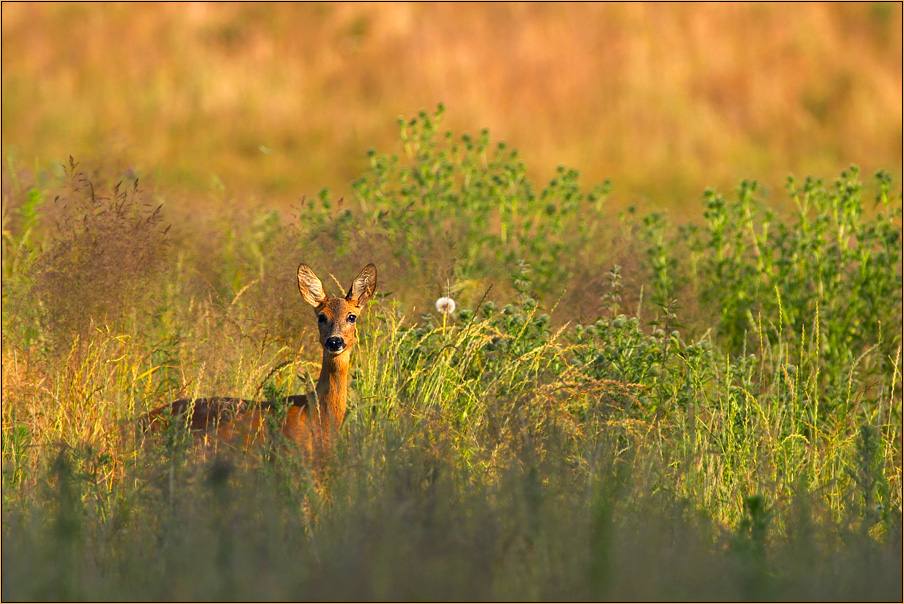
point(280, 100)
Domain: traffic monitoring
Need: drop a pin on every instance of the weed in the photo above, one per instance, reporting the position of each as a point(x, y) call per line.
point(509, 449)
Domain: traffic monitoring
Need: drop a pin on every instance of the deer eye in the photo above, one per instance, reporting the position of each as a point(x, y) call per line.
point(321, 318)
point(351, 318)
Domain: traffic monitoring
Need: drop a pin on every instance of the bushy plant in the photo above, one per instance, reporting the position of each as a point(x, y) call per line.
point(504, 450)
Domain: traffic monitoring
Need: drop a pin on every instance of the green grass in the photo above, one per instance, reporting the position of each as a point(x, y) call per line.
point(619, 408)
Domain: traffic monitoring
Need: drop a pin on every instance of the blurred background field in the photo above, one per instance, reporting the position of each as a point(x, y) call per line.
point(276, 101)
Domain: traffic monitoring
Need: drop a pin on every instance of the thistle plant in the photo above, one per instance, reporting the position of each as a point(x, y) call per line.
point(531, 449)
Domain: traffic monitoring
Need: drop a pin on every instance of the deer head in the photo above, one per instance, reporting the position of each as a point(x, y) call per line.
point(336, 317)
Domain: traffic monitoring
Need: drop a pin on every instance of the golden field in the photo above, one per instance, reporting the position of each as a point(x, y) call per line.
point(699, 399)
point(276, 101)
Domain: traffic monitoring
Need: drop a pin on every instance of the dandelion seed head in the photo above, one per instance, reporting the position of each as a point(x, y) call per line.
point(445, 305)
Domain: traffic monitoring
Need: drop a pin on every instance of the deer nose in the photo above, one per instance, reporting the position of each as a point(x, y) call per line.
point(335, 344)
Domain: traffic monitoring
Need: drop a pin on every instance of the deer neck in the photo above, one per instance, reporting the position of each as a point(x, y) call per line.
point(332, 386)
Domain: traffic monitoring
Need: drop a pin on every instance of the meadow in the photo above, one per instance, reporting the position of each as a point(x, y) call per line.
point(622, 406)
point(279, 100)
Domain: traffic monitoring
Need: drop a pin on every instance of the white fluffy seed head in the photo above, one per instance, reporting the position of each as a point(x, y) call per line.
point(445, 305)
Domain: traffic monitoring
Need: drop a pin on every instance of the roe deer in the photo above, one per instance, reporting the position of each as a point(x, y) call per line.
point(311, 418)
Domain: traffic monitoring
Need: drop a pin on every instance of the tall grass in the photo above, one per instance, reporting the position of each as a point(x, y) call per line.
point(619, 409)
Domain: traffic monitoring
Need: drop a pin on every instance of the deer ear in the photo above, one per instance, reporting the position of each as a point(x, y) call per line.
point(363, 287)
point(310, 286)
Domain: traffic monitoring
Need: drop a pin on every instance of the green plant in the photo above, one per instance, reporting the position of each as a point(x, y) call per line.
point(515, 448)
